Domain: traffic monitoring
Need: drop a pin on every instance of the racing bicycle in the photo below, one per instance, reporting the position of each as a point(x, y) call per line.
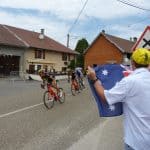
point(50, 96)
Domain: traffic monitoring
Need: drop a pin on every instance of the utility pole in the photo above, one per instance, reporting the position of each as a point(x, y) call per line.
point(68, 36)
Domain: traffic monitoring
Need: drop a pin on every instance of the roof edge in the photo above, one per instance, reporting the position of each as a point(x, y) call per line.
point(55, 50)
point(24, 42)
point(101, 33)
point(92, 42)
point(114, 43)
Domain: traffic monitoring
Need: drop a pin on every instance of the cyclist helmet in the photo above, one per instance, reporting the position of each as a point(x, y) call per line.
point(41, 70)
point(141, 56)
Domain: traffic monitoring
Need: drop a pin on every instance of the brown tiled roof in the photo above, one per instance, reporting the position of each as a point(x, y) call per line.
point(31, 39)
point(7, 38)
point(122, 44)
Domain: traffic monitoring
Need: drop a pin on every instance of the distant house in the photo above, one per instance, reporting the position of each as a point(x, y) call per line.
point(27, 51)
point(108, 49)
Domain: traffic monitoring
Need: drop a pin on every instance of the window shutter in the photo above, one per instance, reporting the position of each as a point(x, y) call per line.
point(35, 53)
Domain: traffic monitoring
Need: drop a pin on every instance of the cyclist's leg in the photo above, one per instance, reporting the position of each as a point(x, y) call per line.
point(79, 83)
point(73, 87)
point(77, 86)
point(82, 81)
point(54, 90)
point(49, 91)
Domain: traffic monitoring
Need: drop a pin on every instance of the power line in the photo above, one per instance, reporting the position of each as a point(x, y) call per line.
point(133, 5)
point(77, 17)
point(138, 22)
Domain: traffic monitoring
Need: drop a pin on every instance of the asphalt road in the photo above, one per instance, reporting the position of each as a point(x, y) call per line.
point(25, 123)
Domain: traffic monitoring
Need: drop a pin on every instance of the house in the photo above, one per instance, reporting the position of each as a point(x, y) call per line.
point(28, 51)
point(108, 49)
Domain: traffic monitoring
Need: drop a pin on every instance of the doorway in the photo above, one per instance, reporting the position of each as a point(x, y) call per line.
point(9, 64)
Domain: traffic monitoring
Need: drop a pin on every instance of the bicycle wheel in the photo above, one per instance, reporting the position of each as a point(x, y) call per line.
point(61, 95)
point(48, 100)
point(81, 84)
point(74, 90)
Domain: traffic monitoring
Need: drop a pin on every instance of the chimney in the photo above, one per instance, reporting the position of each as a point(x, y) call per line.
point(130, 38)
point(134, 39)
point(103, 31)
point(41, 35)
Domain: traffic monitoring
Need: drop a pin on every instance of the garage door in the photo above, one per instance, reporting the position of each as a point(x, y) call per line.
point(8, 64)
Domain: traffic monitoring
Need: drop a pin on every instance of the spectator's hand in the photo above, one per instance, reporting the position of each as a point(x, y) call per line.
point(91, 73)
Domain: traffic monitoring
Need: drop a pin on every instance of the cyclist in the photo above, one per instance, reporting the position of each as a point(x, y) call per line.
point(49, 80)
point(74, 81)
point(78, 72)
point(54, 83)
point(43, 76)
point(79, 76)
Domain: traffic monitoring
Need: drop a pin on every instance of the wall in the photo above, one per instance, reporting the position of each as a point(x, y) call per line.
point(52, 59)
point(101, 52)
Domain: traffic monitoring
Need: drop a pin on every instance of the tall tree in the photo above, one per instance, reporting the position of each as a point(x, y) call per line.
point(81, 46)
point(72, 65)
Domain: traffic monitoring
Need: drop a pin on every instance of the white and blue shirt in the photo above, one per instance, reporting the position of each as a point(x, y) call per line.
point(134, 92)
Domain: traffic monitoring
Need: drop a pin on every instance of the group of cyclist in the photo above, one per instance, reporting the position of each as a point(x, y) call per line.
point(76, 76)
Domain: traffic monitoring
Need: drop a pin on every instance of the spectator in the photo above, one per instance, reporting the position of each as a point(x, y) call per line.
point(134, 92)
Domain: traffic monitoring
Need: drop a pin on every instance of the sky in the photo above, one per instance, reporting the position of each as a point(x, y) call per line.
point(78, 18)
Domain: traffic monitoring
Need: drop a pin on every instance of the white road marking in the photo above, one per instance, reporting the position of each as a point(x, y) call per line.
point(19, 110)
point(23, 109)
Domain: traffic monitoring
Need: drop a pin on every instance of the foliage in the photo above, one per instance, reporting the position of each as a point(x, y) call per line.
point(72, 65)
point(81, 46)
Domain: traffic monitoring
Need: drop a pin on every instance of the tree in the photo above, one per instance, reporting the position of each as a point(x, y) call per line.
point(72, 65)
point(81, 46)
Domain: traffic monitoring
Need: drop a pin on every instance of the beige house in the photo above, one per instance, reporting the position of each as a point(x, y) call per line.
point(27, 51)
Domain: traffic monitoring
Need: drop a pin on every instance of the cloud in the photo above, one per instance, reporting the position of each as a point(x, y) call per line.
point(62, 8)
point(34, 23)
point(112, 9)
point(57, 16)
point(68, 9)
point(126, 32)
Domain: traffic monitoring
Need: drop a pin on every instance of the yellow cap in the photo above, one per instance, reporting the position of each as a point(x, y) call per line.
point(141, 56)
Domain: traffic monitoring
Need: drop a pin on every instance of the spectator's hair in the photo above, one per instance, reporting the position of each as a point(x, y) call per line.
point(139, 65)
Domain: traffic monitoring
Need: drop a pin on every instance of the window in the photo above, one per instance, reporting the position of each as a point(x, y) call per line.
point(65, 63)
point(31, 69)
point(64, 56)
point(38, 67)
point(45, 67)
point(64, 69)
point(40, 54)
